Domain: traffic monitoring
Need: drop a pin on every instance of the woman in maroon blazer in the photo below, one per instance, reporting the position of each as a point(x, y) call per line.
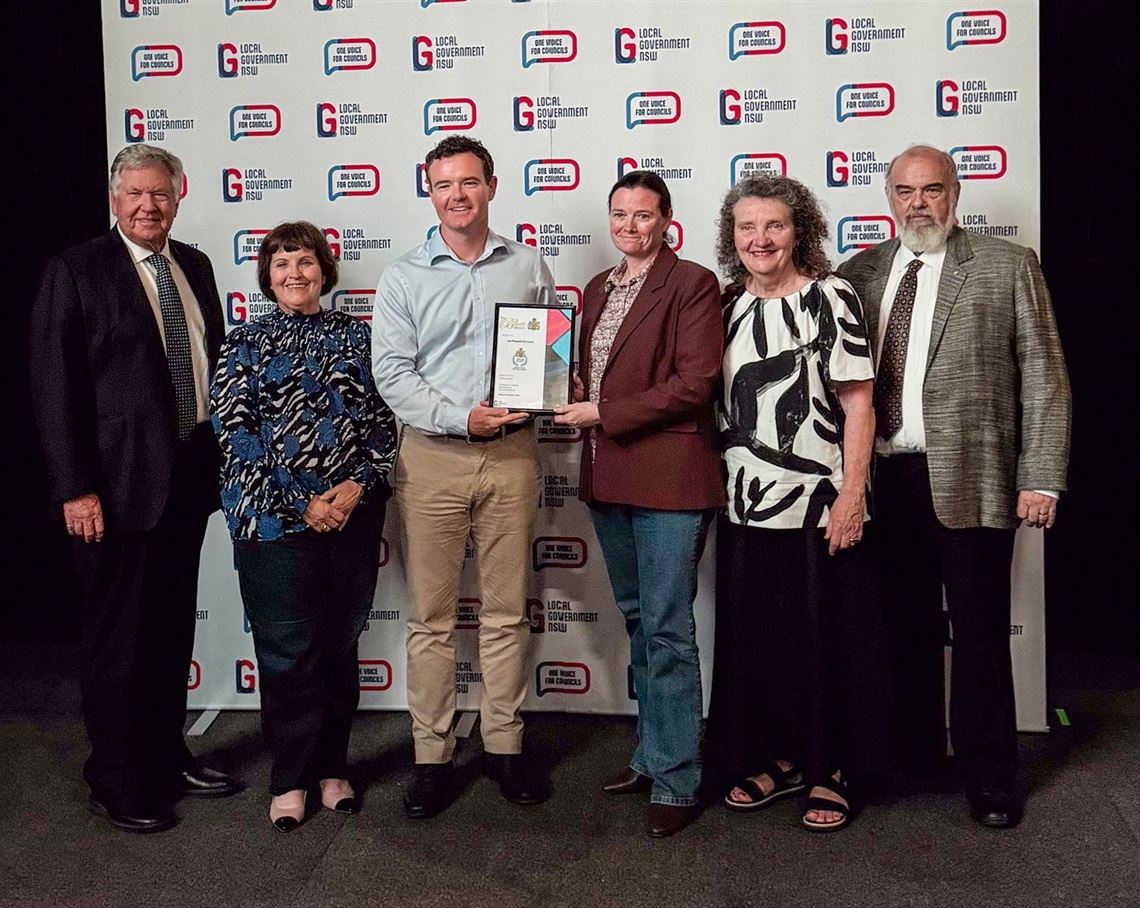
point(651, 344)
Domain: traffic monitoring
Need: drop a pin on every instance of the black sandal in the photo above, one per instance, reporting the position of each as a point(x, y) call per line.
point(846, 811)
point(785, 782)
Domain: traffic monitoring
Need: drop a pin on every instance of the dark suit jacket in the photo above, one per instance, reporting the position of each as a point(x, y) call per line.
point(995, 399)
point(101, 388)
point(656, 446)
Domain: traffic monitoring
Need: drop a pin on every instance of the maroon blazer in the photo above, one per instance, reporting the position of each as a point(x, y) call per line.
point(656, 445)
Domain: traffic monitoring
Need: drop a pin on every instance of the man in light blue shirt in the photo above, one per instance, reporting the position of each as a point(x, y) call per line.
point(465, 469)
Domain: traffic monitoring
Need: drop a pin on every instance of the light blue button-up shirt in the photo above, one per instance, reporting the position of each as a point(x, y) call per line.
point(433, 327)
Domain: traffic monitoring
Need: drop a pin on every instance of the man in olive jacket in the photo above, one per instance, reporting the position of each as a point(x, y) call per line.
point(972, 409)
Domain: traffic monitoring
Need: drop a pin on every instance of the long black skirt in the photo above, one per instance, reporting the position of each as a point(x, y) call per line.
point(800, 669)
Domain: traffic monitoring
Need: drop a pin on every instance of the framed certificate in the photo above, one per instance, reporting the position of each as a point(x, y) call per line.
point(532, 356)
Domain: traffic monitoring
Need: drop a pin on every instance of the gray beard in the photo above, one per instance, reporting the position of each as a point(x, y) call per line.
point(930, 238)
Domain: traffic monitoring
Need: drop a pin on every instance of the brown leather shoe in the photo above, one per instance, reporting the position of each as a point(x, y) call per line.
point(629, 782)
point(663, 820)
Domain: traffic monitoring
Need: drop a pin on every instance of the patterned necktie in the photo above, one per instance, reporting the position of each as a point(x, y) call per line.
point(892, 360)
point(177, 345)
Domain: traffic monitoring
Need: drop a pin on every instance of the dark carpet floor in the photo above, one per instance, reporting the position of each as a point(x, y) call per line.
point(913, 845)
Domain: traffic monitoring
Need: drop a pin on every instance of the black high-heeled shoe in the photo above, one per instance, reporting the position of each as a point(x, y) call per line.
point(287, 818)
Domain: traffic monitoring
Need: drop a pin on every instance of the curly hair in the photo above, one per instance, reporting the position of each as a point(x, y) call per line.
point(453, 145)
point(807, 220)
point(293, 236)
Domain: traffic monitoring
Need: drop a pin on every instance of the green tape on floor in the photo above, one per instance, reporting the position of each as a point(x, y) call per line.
point(1062, 717)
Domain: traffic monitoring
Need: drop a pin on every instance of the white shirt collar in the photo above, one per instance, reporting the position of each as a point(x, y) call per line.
point(903, 257)
point(141, 253)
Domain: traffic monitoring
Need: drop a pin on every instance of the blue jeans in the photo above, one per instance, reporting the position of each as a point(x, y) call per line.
point(652, 558)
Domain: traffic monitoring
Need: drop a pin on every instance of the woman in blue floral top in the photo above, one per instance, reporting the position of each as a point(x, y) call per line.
point(307, 446)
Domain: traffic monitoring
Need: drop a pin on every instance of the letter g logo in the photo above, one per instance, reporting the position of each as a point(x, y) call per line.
point(422, 56)
point(227, 61)
point(837, 173)
point(326, 120)
point(245, 681)
point(133, 125)
point(946, 98)
point(625, 46)
point(835, 36)
point(524, 114)
point(231, 184)
point(729, 107)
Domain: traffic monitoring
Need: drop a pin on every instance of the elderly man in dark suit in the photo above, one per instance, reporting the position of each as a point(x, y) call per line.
point(972, 415)
point(125, 332)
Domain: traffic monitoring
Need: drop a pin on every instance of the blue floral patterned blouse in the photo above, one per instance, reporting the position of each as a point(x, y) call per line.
point(296, 412)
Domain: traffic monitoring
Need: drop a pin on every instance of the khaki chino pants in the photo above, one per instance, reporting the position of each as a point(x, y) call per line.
point(447, 490)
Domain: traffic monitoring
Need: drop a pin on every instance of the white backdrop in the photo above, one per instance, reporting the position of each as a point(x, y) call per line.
point(322, 109)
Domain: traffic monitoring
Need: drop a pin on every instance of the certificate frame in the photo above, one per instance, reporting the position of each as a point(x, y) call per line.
point(532, 356)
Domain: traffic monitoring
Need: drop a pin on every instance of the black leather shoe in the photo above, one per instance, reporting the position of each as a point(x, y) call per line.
point(629, 782)
point(430, 790)
point(133, 814)
point(517, 780)
point(663, 820)
point(203, 782)
point(995, 808)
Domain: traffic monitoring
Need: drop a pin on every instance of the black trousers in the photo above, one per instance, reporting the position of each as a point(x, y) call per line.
point(800, 670)
point(918, 556)
point(140, 592)
point(307, 597)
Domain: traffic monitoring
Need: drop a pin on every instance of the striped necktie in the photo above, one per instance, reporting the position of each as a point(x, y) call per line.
point(177, 345)
point(892, 359)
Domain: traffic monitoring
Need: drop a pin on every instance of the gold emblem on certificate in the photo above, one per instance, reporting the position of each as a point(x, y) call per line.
point(532, 357)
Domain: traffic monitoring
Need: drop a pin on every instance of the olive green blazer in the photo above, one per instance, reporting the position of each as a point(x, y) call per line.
point(995, 398)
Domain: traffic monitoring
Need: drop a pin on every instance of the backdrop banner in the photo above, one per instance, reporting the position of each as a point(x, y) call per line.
point(324, 109)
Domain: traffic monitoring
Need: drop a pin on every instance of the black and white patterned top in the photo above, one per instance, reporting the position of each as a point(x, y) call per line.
point(296, 412)
point(780, 419)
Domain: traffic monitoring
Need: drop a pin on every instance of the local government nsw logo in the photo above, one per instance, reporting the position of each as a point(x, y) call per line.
point(859, 36)
point(967, 97)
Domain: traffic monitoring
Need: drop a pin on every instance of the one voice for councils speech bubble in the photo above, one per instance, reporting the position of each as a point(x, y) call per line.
point(353, 179)
point(449, 113)
point(979, 162)
point(559, 551)
point(981, 27)
point(562, 678)
point(551, 175)
point(757, 164)
point(254, 120)
point(357, 303)
point(548, 46)
point(864, 99)
point(864, 231)
point(246, 245)
point(155, 60)
point(349, 54)
point(652, 107)
point(237, 6)
point(748, 39)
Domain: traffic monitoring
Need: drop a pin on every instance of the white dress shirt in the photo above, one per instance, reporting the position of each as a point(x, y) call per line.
point(911, 436)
